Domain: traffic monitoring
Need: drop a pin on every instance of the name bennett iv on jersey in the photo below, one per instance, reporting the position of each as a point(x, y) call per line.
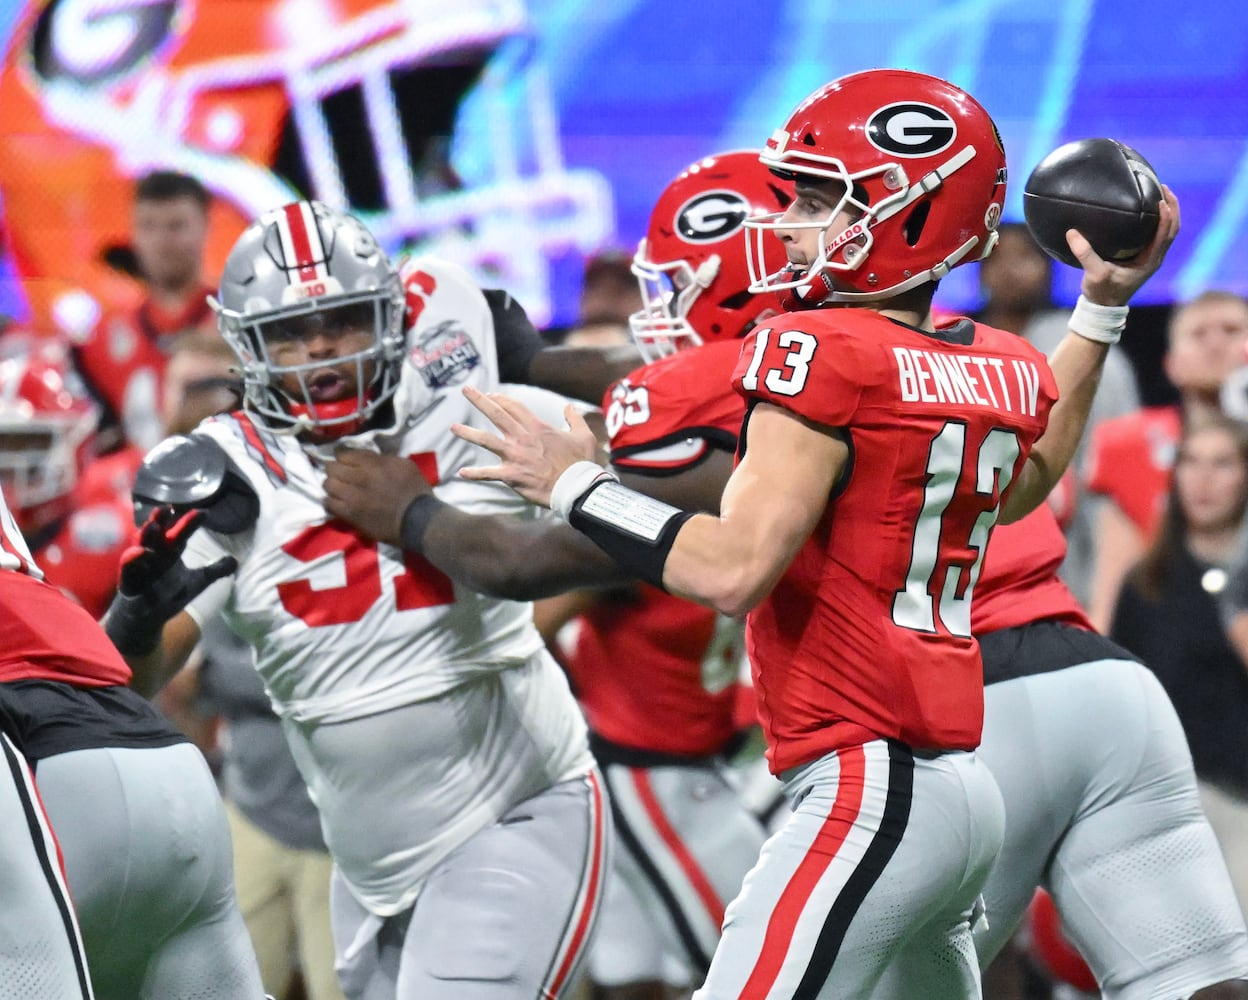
point(935, 377)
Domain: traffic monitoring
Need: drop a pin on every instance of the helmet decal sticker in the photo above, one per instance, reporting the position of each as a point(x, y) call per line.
point(711, 216)
point(911, 129)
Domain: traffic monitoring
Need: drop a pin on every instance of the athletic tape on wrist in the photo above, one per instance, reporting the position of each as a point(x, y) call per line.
point(1104, 324)
point(574, 481)
point(635, 530)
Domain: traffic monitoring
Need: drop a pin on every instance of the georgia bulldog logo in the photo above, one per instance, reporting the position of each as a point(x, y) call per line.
point(711, 216)
point(911, 128)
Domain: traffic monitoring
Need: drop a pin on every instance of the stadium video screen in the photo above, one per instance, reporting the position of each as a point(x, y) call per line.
point(519, 138)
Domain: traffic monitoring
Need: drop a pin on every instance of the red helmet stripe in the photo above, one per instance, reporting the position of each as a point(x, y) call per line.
point(301, 241)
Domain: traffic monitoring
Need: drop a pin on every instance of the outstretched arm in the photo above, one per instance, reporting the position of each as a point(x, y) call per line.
point(1096, 323)
point(729, 562)
point(387, 498)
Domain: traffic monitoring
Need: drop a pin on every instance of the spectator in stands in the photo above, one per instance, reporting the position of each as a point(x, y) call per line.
point(1130, 457)
point(1167, 613)
point(123, 357)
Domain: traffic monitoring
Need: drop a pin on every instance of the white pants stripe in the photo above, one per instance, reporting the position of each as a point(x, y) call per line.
point(40, 917)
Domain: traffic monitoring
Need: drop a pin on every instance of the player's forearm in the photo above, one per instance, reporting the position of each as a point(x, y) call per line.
point(1076, 364)
point(714, 563)
point(581, 372)
point(515, 560)
point(152, 670)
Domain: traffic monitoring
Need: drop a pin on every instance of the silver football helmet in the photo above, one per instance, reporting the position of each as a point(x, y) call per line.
point(297, 265)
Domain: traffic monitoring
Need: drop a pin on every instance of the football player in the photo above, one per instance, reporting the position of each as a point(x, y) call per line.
point(438, 738)
point(877, 452)
point(72, 505)
point(1037, 642)
point(140, 824)
point(656, 675)
point(40, 943)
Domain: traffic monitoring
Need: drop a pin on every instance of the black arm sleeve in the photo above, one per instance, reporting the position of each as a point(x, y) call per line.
point(516, 339)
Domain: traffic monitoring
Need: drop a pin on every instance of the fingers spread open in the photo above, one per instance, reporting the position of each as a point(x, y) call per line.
point(483, 439)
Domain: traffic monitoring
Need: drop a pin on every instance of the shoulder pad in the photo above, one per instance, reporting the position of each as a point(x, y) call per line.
point(192, 471)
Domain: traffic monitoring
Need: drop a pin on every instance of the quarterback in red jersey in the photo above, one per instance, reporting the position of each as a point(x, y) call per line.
point(858, 582)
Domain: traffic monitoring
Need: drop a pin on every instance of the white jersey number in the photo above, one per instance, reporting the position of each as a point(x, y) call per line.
point(914, 606)
point(789, 379)
point(630, 407)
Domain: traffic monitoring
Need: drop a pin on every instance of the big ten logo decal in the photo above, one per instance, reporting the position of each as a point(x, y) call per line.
point(630, 406)
point(420, 585)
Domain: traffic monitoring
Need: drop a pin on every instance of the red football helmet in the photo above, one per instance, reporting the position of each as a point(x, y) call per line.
point(47, 430)
point(691, 265)
point(923, 170)
point(433, 123)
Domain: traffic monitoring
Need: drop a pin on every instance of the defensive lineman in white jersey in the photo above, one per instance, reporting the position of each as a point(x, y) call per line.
point(438, 738)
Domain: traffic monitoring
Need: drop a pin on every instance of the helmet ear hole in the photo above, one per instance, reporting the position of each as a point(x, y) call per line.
point(915, 222)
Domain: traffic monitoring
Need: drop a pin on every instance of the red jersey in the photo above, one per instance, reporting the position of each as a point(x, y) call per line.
point(868, 632)
point(1130, 459)
point(1019, 583)
point(43, 634)
point(656, 672)
point(123, 361)
point(82, 555)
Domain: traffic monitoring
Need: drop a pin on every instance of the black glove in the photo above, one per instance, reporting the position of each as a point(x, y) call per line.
point(516, 339)
point(155, 584)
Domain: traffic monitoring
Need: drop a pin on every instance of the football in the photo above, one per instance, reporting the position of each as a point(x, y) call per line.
point(1102, 188)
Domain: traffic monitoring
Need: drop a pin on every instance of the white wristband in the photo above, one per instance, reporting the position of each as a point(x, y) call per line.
point(572, 483)
point(1104, 324)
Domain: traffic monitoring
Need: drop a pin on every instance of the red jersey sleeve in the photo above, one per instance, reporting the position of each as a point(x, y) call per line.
point(666, 415)
point(781, 362)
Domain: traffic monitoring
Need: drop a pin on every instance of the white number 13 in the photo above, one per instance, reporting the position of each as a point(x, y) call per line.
point(791, 379)
point(914, 606)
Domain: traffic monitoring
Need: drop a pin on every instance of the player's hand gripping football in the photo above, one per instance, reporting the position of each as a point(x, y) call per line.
point(1109, 283)
point(533, 454)
point(155, 584)
point(370, 491)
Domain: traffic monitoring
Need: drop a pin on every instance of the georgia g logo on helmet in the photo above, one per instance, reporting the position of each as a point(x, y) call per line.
point(910, 128)
point(711, 216)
